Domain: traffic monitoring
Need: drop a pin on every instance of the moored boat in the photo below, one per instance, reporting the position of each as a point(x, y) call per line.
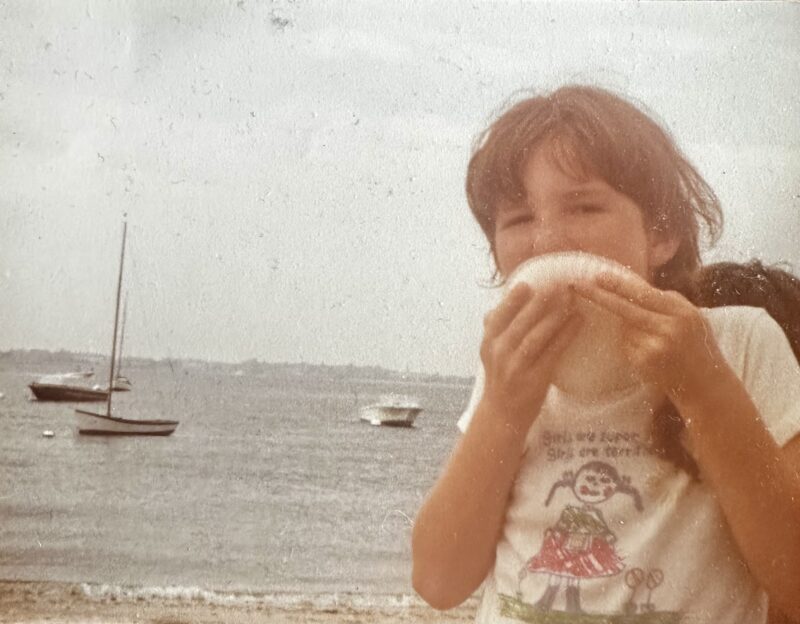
point(391, 411)
point(45, 391)
point(91, 423)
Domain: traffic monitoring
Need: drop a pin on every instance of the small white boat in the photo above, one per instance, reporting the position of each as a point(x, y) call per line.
point(391, 411)
point(92, 423)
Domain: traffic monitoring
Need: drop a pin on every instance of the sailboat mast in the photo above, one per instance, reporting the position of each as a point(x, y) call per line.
point(122, 335)
point(116, 320)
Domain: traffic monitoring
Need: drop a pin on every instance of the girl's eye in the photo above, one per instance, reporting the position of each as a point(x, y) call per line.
point(515, 220)
point(587, 209)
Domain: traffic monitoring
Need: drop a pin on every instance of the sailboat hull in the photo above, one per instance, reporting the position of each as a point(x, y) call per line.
point(91, 423)
point(66, 392)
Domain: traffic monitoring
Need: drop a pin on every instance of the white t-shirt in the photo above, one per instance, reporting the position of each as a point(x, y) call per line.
point(601, 530)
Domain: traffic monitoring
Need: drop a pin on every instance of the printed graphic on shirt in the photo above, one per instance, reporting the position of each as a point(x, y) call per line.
point(580, 547)
point(649, 581)
point(566, 446)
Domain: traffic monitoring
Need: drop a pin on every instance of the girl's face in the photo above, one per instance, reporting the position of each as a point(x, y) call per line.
point(561, 213)
point(593, 486)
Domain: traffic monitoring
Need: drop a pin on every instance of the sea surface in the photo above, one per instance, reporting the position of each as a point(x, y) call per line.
point(269, 484)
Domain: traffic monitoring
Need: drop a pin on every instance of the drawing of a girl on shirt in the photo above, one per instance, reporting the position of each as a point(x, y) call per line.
point(580, 545)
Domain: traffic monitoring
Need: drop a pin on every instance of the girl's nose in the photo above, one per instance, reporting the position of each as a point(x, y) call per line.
point(549, 236)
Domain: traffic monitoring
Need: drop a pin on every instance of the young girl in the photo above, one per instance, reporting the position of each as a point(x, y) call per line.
point(520, 506)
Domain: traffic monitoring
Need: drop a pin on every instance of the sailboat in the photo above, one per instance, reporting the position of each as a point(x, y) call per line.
point(92, 423)
point(67, 387)
point(60, 388)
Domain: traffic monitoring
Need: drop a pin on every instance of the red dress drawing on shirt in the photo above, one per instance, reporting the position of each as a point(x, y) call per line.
point(579, 546)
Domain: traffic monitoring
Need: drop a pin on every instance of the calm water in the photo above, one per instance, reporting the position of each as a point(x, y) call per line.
point(270, 483)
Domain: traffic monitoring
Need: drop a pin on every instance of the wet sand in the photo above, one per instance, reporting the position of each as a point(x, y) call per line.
point(29, 602)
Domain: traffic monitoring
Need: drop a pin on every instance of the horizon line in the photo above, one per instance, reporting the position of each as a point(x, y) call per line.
point(246, 362)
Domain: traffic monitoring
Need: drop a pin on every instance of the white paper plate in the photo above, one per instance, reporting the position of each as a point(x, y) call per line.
point(594, 364)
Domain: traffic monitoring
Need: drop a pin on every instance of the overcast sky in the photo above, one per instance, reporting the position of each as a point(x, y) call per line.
point(292, 172)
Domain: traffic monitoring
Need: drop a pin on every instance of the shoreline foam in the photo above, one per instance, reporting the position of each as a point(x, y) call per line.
point(32, 602)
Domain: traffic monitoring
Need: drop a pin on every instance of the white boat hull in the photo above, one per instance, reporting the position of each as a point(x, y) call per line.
point(91, 423)
point(389, 416)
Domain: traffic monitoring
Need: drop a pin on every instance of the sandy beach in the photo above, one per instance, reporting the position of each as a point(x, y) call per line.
point(31, 602)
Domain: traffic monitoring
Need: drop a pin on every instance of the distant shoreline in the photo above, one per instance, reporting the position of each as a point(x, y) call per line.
point(40, 357)
point(36, 601)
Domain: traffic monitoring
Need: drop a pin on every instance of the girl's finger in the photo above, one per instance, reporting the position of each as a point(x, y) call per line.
point(541, 336)
point(566, 334)
point(534, 310)
point(497, 321)
point(642, 342)
point(628, 311)
point(640, 292)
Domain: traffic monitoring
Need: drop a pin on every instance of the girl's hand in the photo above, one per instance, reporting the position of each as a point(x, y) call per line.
point(667, 340)
point(523, 338)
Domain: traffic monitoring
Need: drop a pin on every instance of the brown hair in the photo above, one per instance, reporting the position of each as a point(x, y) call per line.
point(754, 284)
point(591, 131)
